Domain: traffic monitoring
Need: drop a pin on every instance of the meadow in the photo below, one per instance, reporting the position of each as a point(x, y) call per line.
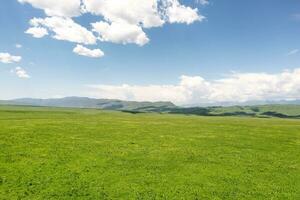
point(59, 153)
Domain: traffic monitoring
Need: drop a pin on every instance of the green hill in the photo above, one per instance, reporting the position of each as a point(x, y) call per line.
point(281, 111)
point(85, 102)
point(273, 110)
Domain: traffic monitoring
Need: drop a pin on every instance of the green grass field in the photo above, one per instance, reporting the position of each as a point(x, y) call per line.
point(56, 153)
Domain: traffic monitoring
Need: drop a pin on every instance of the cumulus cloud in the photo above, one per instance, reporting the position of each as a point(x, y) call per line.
point(37, 32)
point(20, 72)
point(83, 51)
point(64, 29)
point(7, 58)
point(237, 87)
point(65, 8)
point(130, 11)
point(120, 32)
point(123, 21)
point(178, 13)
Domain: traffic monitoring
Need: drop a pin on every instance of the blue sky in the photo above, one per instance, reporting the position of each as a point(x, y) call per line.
point(236, 38)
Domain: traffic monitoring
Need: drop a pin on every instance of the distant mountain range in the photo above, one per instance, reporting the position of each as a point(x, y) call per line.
point(85, 102)
point(282, 109)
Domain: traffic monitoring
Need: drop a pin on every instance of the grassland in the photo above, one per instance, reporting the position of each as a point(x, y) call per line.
point(52, 153)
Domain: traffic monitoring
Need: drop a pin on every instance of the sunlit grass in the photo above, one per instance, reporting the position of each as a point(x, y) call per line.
point(49, 153)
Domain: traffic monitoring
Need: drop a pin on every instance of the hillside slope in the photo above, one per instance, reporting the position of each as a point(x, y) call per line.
point(281, 111)
point(273, 110)
point(85, 102)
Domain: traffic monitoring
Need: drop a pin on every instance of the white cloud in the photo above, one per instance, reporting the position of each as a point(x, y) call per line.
point(62, 8)
point(83, 51)
point(21, 73)
point(203, 2)
point(123, 21)
point(130, 11)
point(237, 87)
point(292, 52)
point(18, 46)
point(37, 32)
point(7, 58)
point(150, 13)
point(64, 29)
point(120, 32)
point(178, 13)
point(126, 19)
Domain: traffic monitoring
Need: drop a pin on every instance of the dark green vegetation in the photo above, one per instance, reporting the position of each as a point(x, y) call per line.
point(282, 111)
point(265, 111)
point(56, 153)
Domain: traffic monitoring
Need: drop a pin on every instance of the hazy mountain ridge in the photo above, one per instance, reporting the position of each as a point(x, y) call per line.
point(282, 109)
point(85, 102)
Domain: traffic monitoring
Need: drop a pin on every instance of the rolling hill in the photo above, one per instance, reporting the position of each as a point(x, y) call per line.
point(85, 102)
point(282, 110)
